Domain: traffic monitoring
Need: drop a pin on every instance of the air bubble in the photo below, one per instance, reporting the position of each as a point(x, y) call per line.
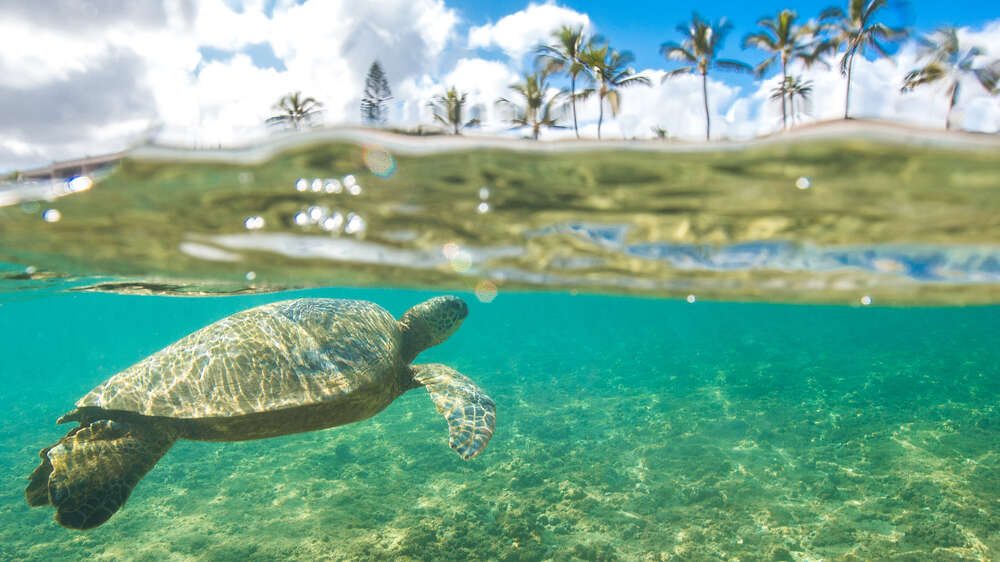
point(354, 224)
point(333, 186)
point(333, 222)
point(51, 215)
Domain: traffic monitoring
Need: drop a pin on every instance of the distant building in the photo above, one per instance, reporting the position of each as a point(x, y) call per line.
point(70, 168)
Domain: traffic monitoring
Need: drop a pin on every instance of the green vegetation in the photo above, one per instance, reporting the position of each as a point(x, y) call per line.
point(856, 30)
point(610, 72)
point(702, 41)
point(377, 93)
point(790, 88)
point(787, 42)
point(565, 55)
point(538, 108)
point(946, 61)
point(449, 110)
point(296, 110)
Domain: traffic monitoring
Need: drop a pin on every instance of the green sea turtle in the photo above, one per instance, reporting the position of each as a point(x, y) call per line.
point(281, 368)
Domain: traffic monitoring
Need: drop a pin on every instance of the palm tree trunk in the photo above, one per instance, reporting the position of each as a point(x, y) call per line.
point(847, 96)
point(704, 96)
point(600, 116)
point(784, 80)
point(572, 101)
point(953, 95)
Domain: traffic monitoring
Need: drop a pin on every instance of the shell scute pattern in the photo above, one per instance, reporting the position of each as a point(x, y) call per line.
point(276, 356)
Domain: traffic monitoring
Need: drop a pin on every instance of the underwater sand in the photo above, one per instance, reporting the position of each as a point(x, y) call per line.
point(627, 429)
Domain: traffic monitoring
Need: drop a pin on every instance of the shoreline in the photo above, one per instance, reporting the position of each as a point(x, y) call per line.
point(424, 145)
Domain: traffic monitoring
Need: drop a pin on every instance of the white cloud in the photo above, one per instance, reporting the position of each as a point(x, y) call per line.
point(325, 47)
point(520, 32)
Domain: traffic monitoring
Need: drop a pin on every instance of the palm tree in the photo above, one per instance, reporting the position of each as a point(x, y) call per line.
point(564, 55)
point(448, 110)
point(610, 72)
point(857, 29)
point(947, 61)
point(537, 111)
point(790, 88)
point(989, 77)
point(787, 42)
point(702, 41)
point(295, 110)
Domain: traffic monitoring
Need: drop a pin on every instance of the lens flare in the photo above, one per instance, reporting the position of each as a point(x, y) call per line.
point(461, 262)
point(378, 160)
point(80, 183)
point(449, 250)
point(486, 291)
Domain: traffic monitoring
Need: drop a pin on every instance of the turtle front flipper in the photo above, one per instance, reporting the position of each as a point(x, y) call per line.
point(88, 475)
point(471, 414)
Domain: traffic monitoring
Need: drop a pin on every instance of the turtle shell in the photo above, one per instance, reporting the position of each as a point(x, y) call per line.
point(272, 357)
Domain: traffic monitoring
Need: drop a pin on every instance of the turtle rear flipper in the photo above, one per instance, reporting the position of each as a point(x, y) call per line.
point(88, 475)
point(471, 414)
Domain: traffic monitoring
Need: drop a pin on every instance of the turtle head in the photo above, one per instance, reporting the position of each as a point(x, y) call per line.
point(430, 323)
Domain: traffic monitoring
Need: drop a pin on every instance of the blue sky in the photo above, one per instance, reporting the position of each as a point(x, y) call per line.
point(642, 26)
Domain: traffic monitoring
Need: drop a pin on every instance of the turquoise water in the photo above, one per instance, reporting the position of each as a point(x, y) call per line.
point(633, 429)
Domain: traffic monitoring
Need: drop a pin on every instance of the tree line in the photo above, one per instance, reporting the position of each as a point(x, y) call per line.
point(597, 70)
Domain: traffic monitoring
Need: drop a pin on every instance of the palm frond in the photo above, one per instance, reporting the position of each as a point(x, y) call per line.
point(734, 65)
point(676, 72)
